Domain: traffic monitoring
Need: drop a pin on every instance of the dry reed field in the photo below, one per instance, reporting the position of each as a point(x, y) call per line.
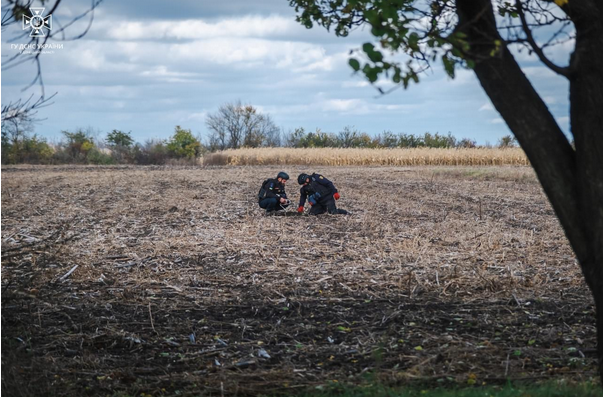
point(171, 281)
point(368, 157)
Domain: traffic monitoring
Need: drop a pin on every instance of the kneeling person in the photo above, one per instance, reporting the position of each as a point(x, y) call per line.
point(272, 196)
point(320, 193)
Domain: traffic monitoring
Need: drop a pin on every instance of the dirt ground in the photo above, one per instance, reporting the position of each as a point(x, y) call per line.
point(445, 276)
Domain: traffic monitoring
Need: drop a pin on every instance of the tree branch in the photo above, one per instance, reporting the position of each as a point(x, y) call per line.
point(21, 108)
point(563, 71)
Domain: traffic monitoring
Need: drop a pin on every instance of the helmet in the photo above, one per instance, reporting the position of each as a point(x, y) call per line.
point(301, 179)
point(283, 175)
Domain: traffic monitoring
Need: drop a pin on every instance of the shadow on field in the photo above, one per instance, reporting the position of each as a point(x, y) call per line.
point(171, 281)
point(81, 339)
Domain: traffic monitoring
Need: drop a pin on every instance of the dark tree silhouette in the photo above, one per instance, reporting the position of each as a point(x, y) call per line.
point(467, 33)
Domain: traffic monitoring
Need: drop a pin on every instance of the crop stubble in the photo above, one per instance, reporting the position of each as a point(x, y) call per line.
point(444, 275)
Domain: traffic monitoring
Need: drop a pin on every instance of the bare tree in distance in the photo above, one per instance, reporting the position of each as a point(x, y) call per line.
point(236, 125)
point(347, 136)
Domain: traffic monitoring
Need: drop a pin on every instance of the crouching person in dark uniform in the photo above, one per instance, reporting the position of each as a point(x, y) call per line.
point(272, 196)
point(320, 193)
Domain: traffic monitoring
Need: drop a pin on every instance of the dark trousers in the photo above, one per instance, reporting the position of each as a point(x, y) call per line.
point(326, 205)
point(272, 204)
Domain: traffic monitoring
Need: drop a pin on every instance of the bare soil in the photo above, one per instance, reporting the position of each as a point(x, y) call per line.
point(445, 276)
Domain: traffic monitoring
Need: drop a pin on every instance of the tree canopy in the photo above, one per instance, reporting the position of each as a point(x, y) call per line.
point(184, 144)
point(120, 138)
point(429, 31)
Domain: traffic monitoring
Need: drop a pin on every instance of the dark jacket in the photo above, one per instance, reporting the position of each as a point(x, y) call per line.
point(273, 189)
point(318, 184)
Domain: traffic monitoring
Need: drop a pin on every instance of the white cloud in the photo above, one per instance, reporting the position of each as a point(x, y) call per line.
point(354, 83)
point(497, 120)
point(195, 29)
point(326, 63)
point(288, 109)
point(106, 92)
point(162, 73)
point(563, 120)
point(463, 77)
point(486, 106)
point(179, 60)
point(538, 71)
point(338, 106)
point(359, 81)
point(345, 105)
point(360, 106)
point(560, 53)
point(198, 116)
point(244, 52)
point(395, 107)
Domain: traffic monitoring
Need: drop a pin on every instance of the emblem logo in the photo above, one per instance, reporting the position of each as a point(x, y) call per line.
point(37, 23)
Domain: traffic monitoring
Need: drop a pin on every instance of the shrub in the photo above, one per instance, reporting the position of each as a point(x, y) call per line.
point(77, 145)
point(183, 144)
point(507, 141)
point(151, 152)
point(33, 150)
point(121, 146)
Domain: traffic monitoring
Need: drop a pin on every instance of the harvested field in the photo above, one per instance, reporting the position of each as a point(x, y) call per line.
point(367, 157)
point(450, 276)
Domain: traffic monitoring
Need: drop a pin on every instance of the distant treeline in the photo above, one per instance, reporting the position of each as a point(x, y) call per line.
point(236, 126)
point(352, 138)
point(233, 126)
point(82, 147)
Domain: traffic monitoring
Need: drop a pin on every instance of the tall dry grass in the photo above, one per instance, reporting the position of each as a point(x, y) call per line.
point(390, 157)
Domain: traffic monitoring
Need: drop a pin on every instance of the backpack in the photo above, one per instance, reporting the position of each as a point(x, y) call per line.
point(262, 192)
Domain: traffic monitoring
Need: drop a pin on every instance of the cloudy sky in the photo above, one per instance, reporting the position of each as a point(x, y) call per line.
point(147, 66)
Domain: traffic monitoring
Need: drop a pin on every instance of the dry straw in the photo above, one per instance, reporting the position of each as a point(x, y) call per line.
point(366, 157)
point(159, 279)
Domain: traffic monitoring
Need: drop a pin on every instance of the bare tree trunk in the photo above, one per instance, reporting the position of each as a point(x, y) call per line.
point(586, 98)
point(572, 179)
